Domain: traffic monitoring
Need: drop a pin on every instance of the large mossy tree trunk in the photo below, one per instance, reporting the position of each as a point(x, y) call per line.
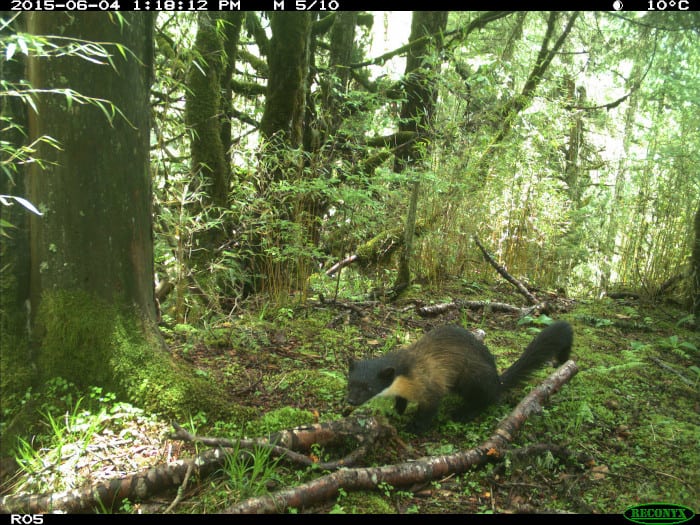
point(208, 109)
point(91, 253)
point(95, 234)
point(288, 62)
point(326, 114)
point(14, 229)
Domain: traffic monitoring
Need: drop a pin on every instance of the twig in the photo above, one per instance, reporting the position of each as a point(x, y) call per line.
point(180, 490)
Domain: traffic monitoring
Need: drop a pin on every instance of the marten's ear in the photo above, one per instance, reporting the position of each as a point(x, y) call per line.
point(387, 373)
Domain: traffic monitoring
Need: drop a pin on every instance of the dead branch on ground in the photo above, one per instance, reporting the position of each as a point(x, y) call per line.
point(410, 473)
point(508, 277)
point(107, 495)
point(437, 309)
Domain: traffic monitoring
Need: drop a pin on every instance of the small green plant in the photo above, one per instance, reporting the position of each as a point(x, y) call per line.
point(696, 371)
point(319, 452)
point(185, 329)
point(337, 507)
point(637, 347)
point(548, 461)
point(285, 417)
point(50, 455)
point(688, 321)
point(535, 323)
point(677, 346)
point(284, 314)
point(583, 414)
point(126, 507)
point(385, 488)
point(250, 472)
point(194, 423)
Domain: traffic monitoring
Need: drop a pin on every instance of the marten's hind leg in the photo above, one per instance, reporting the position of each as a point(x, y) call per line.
point(477, 394)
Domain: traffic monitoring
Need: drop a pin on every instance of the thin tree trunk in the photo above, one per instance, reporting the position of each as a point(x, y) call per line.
point(417, 115)
point(696, 270)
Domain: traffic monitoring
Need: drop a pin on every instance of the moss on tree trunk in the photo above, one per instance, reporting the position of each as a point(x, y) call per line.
point(119, 352)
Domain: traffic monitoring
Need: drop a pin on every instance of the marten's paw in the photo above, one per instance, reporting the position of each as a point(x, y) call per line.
point(419, 425)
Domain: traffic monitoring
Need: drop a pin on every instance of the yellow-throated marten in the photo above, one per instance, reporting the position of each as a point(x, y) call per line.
point(450, 359)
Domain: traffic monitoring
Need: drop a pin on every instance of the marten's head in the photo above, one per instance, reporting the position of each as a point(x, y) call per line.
point(368, 378)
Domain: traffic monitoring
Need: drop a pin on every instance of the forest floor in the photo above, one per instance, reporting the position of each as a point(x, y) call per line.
point(630, 418)
point(624, 431)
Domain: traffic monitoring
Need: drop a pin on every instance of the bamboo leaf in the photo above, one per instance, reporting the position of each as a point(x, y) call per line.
point(10, 50)
point(24, 202)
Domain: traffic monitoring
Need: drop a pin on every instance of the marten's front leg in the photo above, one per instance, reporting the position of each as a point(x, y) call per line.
point(425, 415)
point(400, 404)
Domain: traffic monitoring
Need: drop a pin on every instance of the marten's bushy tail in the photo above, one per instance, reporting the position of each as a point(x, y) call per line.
point(553, 341)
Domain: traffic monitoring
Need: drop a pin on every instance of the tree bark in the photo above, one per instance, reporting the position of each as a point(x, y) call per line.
point(14, 242)
point(286, 91)
point(14, 277)
point(417, 114)
point(202, 114)
point(95, 234)
point(91, 253)
point(282, 130)
point(208, 102)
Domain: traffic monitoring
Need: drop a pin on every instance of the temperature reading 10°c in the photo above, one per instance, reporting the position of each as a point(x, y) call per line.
point(317, 5)
point(663, 5)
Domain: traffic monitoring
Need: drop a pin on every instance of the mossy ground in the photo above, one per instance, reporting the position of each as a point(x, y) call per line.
point(636, 420)
point(632, 410)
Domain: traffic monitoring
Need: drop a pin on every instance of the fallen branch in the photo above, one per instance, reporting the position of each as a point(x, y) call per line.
point(409, 473)
point(508, 277)
point(437, 309)
point(180, 492)
point(107, 495)
point(340, 265)
point(378, 249)
point(283, 444)
point(668, 367)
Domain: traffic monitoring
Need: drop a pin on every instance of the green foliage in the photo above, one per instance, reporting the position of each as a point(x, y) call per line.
point(363, 503)
point(326, 385)
point(678, 347)
point(281, 419)
point(555, 208)
point(250, 472)
point(541, 320)
point(14, 154)
point(72, 430)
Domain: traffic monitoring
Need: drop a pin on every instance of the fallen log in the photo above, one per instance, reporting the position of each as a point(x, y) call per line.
point(413, 472)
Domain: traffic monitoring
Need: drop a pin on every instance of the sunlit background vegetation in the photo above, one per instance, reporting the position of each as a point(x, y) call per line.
point(594, 189)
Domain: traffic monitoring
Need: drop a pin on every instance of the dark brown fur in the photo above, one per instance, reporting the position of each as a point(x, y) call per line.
point(450, 359)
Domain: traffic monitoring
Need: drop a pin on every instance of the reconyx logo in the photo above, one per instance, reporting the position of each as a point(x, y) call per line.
point(658, 514)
